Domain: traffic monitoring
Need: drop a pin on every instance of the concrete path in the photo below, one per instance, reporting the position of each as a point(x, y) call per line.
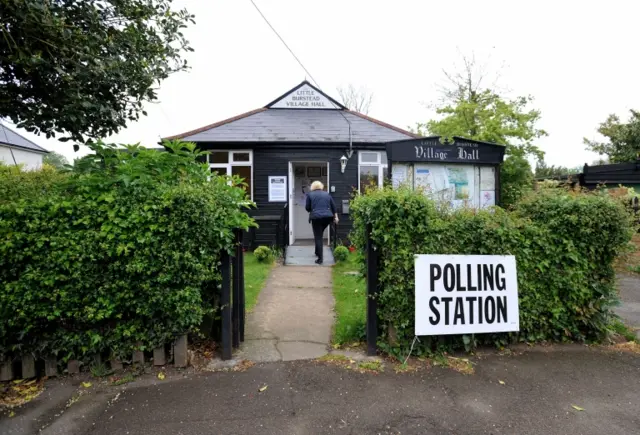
point(304, 256)
point(293, 317)
point(629, 310)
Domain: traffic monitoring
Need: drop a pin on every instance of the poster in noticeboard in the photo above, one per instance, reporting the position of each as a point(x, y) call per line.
point(278, 188)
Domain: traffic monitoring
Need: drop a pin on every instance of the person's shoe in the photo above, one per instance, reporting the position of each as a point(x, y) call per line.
point(318, 261)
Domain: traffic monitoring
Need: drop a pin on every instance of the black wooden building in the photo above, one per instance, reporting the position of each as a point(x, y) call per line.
point(302, 136)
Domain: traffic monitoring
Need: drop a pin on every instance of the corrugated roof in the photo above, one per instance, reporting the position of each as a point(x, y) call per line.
point(297, 125)
point(10, 137)
point(269, 124)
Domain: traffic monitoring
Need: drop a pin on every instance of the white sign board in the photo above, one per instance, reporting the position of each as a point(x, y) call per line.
point(466, 294)
point(277, 189)
point(305, 97)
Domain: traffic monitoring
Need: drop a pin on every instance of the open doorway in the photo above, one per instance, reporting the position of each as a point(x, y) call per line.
point(302, 174)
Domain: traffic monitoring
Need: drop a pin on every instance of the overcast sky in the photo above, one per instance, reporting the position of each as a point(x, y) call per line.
point(579, 59)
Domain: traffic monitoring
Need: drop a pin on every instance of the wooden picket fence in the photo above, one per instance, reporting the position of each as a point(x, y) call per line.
point(27, 366)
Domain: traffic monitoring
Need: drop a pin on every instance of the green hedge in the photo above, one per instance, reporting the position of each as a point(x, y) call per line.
point(564, 244)
point(122, 251)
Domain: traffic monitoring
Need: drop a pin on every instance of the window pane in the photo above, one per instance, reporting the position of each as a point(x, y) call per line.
point(241, 157)
point(368, 157)
point(383, 156)
point(243, 172)
point(202, 158)
point(368, 177)
point(219, 157)
point(219, 171)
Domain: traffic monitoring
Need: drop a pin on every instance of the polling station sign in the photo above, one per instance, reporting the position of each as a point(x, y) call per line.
point(466, 294)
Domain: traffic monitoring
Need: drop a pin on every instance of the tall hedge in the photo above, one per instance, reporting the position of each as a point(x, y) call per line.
point(122, 252)
point(564, 243)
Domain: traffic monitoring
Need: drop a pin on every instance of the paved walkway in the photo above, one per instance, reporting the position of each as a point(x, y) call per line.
point(534, 393)
point(629, 309)
point(293, 317)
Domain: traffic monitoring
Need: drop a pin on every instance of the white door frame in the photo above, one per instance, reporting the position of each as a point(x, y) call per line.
point(291, 181)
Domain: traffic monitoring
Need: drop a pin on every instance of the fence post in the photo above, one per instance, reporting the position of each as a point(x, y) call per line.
point(236, 289)
point(372, 297)
point(225, 301)
point(241, 284)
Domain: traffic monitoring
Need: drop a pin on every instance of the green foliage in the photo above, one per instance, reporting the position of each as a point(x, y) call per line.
point(623, 139)
point(85, 68)
point(56, 160)
point(123, 250)
point(16, 183)
point(545, 171)
point(263, 254)
point(255, 275)
point(564, 242)
point(341, 253)
point(468, 110)
point(516, 178)
point(349, 291)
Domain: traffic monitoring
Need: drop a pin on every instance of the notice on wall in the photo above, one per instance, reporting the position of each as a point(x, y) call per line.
point(399, 175)
point(487, 178)
point(465, 294)
point(277, 188)
point(487, 198)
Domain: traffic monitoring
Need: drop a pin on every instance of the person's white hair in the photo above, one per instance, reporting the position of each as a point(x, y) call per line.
point(317, 185)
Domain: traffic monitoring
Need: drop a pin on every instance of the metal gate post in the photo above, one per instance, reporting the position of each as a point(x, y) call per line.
point(225, 301)
point(372, 294)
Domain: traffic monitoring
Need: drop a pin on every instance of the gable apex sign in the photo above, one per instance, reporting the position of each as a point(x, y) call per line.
point(304, 97)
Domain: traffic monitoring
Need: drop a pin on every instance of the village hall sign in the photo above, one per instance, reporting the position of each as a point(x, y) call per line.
point(305, 97)
point(466, 294)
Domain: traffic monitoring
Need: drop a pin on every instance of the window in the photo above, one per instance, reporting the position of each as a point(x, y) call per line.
point(238, 163)
point(372, 168)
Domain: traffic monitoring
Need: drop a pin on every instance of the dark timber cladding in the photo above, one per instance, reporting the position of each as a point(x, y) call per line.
point(303, 125)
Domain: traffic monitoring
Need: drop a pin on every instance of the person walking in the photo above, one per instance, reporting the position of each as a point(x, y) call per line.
point(322, 211)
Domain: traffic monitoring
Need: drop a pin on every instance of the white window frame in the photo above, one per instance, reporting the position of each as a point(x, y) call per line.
point(382, 167)
point(230, 163)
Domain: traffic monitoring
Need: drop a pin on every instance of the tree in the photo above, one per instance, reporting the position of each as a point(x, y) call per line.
point(545, 171)
point(358, 100)
point(470, 110)
point(83, 69)
point(56, 160)
point(623, 143)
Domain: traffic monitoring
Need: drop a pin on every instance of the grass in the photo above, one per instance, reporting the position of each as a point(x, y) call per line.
point(621, 329)
point(351, 302)
point(255, 275)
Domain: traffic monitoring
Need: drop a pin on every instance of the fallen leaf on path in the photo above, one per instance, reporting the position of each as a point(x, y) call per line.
point(18, 381)
point(161, 376)
point(12, 414)
point(87, 384)
point(31, 382)
point(261, 389)
point(577, 408)
point(501, 382)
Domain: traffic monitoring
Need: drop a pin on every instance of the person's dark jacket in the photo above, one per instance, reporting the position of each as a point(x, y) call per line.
point(320, 204)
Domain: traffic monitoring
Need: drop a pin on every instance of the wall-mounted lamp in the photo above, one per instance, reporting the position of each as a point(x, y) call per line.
point(343, 163)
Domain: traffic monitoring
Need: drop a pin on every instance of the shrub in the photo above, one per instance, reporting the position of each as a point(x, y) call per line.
point(17, 183)
point(341, 253)
point(122, 251)
point(564, 245)
point(263, 254)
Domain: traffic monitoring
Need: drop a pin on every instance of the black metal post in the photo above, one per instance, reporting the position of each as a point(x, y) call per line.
point(372, 294)
point(235, 313)
point(226, 305)
point(241, 285)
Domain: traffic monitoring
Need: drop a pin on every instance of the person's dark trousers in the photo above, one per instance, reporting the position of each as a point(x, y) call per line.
point(319, 225)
